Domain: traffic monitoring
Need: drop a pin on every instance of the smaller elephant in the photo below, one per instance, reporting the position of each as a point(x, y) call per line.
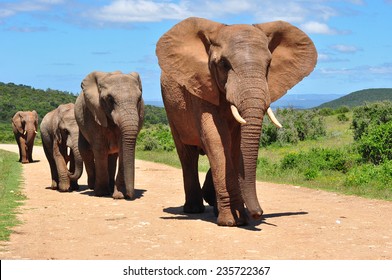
point(109, 112)
point(24, 126)
point(59, 131)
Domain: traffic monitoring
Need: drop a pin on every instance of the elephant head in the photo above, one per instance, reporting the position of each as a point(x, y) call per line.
point(66, 134)
point(115, 100)
point(245, 67)
point(26, 123)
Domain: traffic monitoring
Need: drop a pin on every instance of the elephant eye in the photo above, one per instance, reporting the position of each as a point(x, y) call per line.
point(224, 64)
point(66, 131)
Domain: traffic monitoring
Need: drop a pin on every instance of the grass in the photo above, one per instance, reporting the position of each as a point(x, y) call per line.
point(10, 193)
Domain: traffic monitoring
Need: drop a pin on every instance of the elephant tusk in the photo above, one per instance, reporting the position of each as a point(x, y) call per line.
point(273, 118)
point(24, 132)
point(35, 132)
point(237, 115)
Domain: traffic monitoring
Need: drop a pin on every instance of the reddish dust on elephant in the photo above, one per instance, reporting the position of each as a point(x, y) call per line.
point(298, 223)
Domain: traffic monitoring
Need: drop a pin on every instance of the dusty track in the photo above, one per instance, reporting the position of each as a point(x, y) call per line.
point(299, 223)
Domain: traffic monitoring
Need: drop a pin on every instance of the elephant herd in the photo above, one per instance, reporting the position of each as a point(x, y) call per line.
point(217, 82)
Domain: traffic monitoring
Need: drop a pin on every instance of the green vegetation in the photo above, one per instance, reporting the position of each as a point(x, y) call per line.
point(360, 98)
point(15, 98)
point(10, 194)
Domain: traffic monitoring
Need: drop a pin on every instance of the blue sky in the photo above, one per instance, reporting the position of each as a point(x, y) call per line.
point(56, 43)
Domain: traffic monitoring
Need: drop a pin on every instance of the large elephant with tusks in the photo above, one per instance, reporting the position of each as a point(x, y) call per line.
point(218, 81)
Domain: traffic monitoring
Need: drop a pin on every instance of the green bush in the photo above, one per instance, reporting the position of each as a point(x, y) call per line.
point(370, 115)
point(342, 117)
point(372, 177)
point(311, 163)
point(297, 126)
point(375, 145)
point(156, 137)
point(342, 110)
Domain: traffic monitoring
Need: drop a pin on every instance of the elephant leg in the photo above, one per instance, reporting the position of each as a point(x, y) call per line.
point(74, 184)
point(218, 146)
point(19, 147)
point(189, 156)
point(88, 158)
point(208, 190)
point(52, 165)
point(101, 187)
point(23, 150)
point(119, 190)
point(62, 170)
point(30, 152)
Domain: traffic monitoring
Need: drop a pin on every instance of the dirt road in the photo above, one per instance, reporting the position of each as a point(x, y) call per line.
point(299, 223)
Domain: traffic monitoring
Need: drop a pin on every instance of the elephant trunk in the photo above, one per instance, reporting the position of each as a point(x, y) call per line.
point(78, 160)
point(129, 132)
point(250, 135)
point(252, 105)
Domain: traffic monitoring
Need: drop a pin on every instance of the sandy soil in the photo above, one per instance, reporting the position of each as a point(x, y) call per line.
point(299, 223)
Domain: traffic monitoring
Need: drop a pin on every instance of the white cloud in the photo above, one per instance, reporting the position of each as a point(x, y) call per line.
point(358, 73)
point(345, 48)
point(9, 9)
point(317, 28)
point(123, 11)
point(384, 69)
point(311, 16)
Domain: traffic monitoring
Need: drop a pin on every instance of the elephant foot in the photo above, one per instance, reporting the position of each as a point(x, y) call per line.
point(118, 195)
point(54, 185)
point(74, 186)
point(101, 193)
point(232, 218)
point(194, 208)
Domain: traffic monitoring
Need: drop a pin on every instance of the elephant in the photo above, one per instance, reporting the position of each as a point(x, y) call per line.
point(217, 83)
point(110, 112)
point(60, 132)
point(24, 126)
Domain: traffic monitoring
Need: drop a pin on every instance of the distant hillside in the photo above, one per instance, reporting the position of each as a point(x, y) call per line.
point(15, 98)
point(359, 98)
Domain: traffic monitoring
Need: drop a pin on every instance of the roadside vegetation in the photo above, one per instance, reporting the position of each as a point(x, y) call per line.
point(11, 196)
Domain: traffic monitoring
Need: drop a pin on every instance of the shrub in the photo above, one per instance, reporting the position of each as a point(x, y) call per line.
point(297, 126)
point(377, 177)
point(342, 110)
point(369, 115)
point(311, 163)
point(342, 117)
point(376, 144)
point(156, 137)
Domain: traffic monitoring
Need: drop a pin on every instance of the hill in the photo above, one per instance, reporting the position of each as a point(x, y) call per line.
point(359, 98)
point(15, 98)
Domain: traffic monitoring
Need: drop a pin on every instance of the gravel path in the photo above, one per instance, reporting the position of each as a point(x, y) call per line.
point(299, 223)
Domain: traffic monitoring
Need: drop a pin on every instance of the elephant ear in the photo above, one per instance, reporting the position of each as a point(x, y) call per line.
point(35, 114)
point(55, 125)
point(294, 56)
point(90, 87)
point(136, 76)
point(183, 56)
point(17, 122)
